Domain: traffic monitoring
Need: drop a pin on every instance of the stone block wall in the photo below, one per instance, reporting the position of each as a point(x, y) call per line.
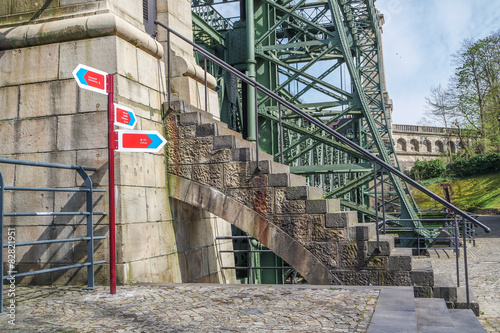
point(48, 118)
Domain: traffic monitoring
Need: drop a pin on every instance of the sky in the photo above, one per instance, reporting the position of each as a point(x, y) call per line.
point(418, 40)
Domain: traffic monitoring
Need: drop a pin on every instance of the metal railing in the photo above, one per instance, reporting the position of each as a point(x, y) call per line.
point(89, 213)
point(251, 267)
point(378, 163)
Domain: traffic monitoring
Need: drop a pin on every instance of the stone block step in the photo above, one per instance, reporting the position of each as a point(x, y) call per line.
point(322, 206)
point(465, 321)
point(303, 192)
point(444, 288)
point(386, 245)
point(395, 311)
point(341, 219)
point(433, 316)
point(400, 259)
point(461, 302)
point(361, 232)
point(422, 278)
point(285, 180)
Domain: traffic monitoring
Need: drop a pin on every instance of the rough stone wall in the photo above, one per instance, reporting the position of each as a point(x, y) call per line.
point(48, 118)
point(212, 168)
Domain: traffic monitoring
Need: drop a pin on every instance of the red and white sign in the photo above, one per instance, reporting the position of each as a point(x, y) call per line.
point(90, 78)
point(124, 117)
point(140, 141)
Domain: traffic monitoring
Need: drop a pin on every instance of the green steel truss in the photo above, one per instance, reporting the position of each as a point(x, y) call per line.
point(325, 57)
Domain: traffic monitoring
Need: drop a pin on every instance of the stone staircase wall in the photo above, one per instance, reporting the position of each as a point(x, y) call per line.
point(213, 168)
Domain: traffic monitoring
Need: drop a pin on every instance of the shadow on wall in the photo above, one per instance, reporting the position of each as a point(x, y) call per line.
point(44, 256)
point(195, 240)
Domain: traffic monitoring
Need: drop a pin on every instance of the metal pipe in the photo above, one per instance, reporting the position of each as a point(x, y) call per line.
point(256, 130)
point(169, 68)
point(111, 173)
point(55, 269)
point(54, 241)
point(206, 89)
point(466, 270)
point(47, 165)
point(383, 199)
point(457, 252)
point(281, 134)
point(90, 228)
point(11, 188)
point(1, 242)
point(376, 204)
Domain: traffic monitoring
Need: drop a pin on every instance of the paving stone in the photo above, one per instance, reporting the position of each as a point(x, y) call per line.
point(192, 308)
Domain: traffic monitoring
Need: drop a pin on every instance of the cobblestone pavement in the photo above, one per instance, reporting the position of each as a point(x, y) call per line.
point(484, 272)
point(192, 308)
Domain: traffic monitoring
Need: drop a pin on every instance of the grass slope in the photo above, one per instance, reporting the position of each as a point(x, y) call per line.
point(478, 192)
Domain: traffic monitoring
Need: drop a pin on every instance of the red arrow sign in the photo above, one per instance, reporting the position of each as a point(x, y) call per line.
point(131, 140)
point(90, 78)
point(124, 117)
point(140, 141)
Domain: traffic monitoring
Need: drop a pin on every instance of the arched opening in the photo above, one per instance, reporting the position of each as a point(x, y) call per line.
point(401, 144)
point(427, 146)
point(439, 147)
point(414, 145)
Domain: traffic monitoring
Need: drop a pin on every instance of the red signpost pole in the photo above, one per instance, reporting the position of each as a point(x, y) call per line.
point(112, 145)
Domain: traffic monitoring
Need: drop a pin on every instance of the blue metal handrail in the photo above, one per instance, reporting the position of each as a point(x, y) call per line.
point(88, 213)
point(369, 156)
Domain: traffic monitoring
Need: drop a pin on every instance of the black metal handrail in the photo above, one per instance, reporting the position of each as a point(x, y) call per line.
point(88, 213)
point(369, 156)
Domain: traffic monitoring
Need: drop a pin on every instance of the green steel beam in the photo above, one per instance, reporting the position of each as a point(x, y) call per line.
point(335, 168)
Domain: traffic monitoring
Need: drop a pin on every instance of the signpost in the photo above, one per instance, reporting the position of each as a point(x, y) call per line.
point(140, 141)
point(91, 79)
point(124, 117)
point(128, 141)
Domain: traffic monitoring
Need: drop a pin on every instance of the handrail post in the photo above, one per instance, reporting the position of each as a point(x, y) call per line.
point(1, 240)
point(383, 198)
point(281, 134)
point(457, 251)
point(256, 130)
point(90, 228)
point(169, 68)
point(376, 204)
point(466, 271)
point(206, 89)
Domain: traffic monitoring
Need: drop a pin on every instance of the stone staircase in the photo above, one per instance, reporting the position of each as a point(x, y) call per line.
point(214, 168)
point(398, 311)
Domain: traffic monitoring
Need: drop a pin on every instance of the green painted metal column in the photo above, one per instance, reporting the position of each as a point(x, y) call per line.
point(251, 62)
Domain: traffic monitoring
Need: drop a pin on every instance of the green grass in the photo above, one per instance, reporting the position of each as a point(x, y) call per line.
point(469, 194)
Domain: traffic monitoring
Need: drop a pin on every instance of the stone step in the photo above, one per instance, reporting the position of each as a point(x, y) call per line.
point(285, 180)
point(400, 259)
point(322, 206)
point(461, 302)
point(433, 316)
point(361, 232)
point(394, 312)
point(465, 321)
point(341, 219)
point(303, 192)
point(386, 245)
point(444, 288)
point(422, 278)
